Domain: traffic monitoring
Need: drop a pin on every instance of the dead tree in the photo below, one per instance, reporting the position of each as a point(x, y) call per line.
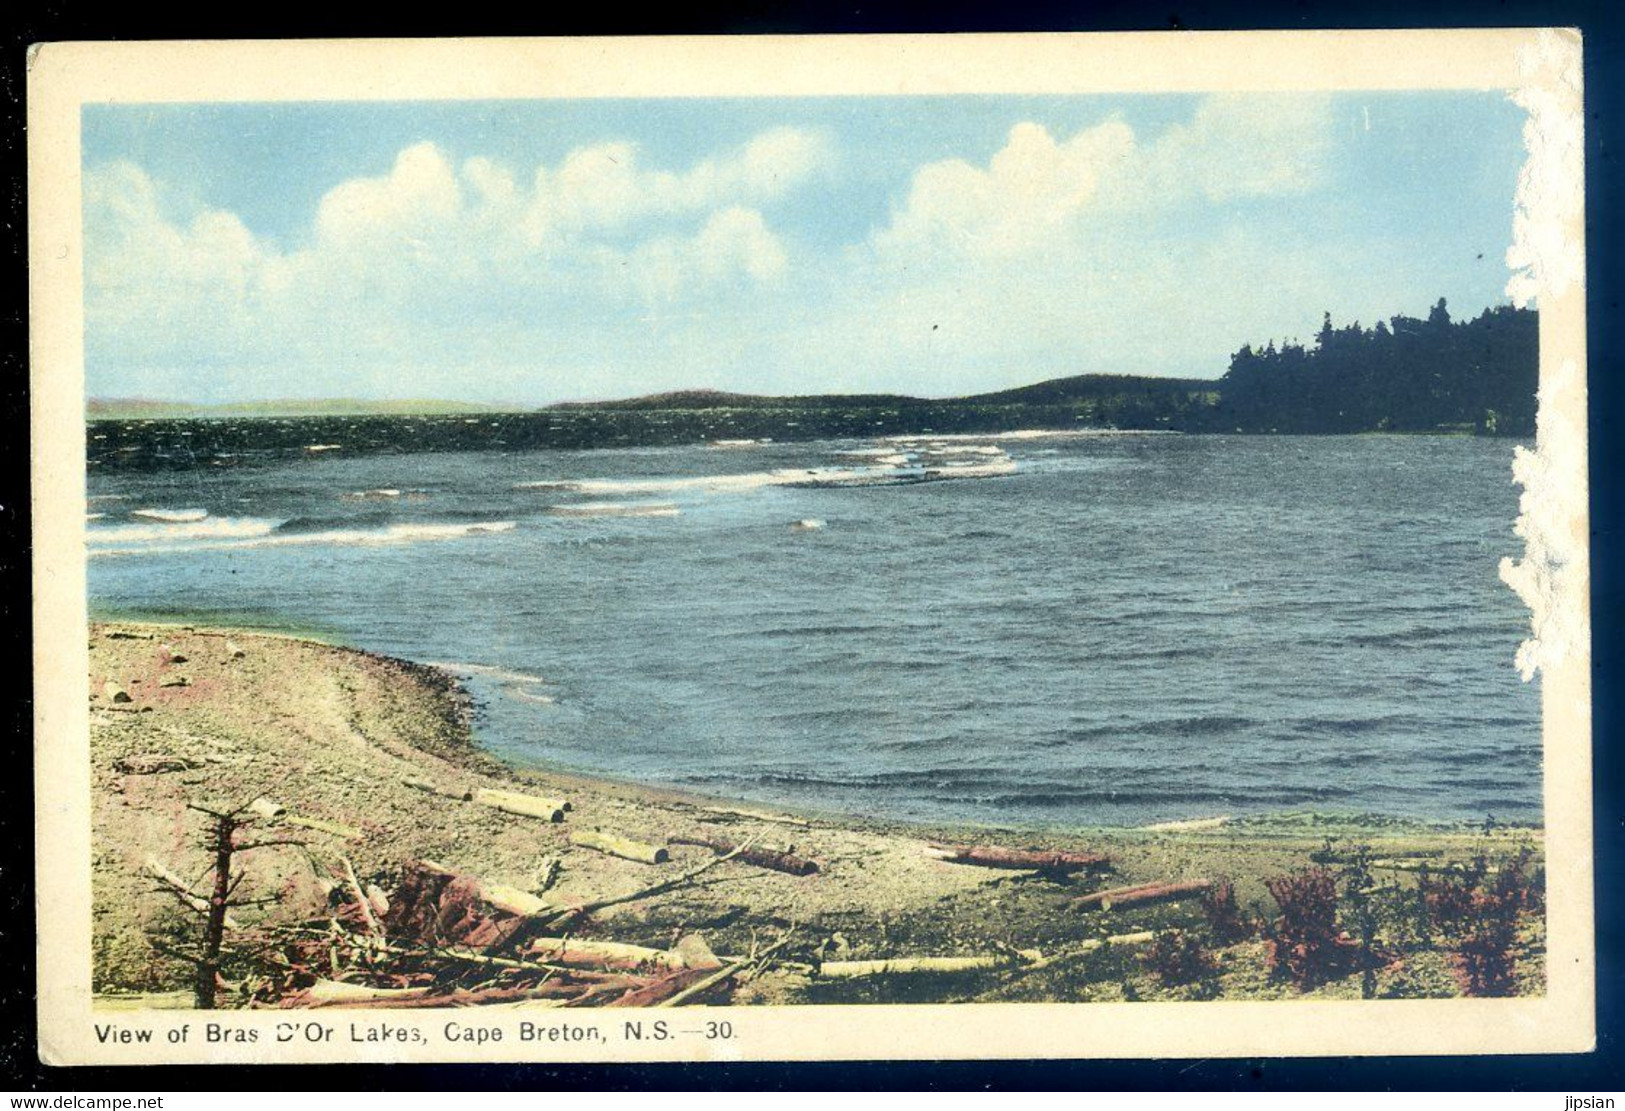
point(221, 840)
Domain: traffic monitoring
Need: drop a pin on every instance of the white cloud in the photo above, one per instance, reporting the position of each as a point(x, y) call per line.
point(734, 243)
point(604, 189)
point(430, 245)
point(1032, 188)
point(419, 196)
point(1245, 146)
point(1037, 194)
point(140, 266)
point(598, 274)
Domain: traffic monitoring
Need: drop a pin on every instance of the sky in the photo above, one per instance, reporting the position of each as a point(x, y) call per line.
point(524, 252)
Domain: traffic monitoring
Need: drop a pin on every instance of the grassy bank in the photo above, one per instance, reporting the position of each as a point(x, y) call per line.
point(186, 717)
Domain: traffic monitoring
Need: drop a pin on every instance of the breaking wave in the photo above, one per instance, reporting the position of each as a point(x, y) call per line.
point(486, 671)
point(212, 528)
point(170, 516)
point(229, 532)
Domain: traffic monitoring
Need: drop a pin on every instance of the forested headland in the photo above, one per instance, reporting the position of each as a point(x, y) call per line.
point(1401, 375)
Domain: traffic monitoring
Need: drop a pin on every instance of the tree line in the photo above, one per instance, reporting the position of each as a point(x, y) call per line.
point(1402, 375)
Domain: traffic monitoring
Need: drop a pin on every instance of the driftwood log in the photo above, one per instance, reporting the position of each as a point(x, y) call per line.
point(583, 952)
point(897, 966)
point(331, 993)
point(761, 857)
point(1144, 937)
point(616, 845)
point(1045, 860)
point(461, 794)
point(263, 807)
point(509, 900)
point(363, 904)
point(1122, 897)
point(529, 806)
point(334, 828)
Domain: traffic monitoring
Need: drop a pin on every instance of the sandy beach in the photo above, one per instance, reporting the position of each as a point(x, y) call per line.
point(331, 736)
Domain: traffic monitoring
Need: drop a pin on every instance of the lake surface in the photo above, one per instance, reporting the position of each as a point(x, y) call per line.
point(1123, 629)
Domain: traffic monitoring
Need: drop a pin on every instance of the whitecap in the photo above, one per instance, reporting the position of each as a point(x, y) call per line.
point(487, 671)
point(254, 533)
point(965, 449)
point(214, 528)
point(527, 696)
point(546, 484)
point(170, 516)
point(972, 470)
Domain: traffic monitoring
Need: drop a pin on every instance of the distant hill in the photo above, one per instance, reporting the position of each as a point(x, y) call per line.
point(141, 408)
point(1055, 391)
point(1090, 387)
point(689, 400)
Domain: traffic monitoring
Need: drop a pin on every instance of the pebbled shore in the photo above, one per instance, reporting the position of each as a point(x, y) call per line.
point(331, 733)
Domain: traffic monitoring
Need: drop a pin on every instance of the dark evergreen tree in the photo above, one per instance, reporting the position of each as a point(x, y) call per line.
point(1402, 375)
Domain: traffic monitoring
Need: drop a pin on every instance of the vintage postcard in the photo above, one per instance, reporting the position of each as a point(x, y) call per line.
point(811, 548)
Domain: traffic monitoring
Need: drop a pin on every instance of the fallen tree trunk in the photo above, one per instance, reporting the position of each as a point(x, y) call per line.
point(362, 903)
point(900, 966)
point(457, 954)
point(574, 951)
point(337, 993)
point(762, 858)
point(509, 900)
point(529, 806)
point(461, 794)
point(1146, 893)
point(992, 856)
point(616, 845)
point(582, 910)
point(181, 888)
point(332, 993)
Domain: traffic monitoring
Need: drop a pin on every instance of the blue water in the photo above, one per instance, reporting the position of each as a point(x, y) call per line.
point(1125, 629)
